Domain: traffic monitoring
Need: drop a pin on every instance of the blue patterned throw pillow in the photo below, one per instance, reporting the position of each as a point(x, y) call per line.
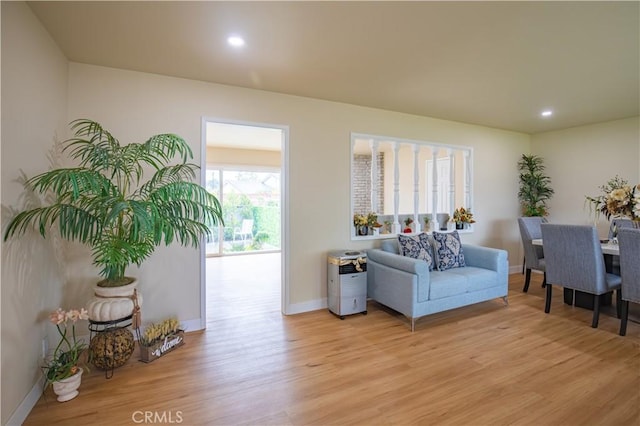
point(448, 250)
point(416, 247)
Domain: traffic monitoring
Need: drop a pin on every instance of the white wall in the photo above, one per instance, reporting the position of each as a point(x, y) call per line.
point(34, 86)
point(135, 105)
point(581, 159)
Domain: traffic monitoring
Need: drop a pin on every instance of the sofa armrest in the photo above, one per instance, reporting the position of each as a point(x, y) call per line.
point(396, 261)
point(484, 257)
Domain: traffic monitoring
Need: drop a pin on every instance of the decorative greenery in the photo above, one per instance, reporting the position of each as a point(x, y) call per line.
point(462, 215)
point(535, 186)
point(154, 333)
point(66, 357)
point(408, 221)
point(105, 203)
point(372, 220)
point(618, 199)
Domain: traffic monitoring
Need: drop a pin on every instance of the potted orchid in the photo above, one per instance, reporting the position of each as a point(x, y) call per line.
point(63, 369)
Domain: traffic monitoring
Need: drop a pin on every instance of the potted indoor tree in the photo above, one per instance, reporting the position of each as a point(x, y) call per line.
point(106, 203)
point(535, 187)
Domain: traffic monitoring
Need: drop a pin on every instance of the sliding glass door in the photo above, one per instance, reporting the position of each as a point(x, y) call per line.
point(250, 201)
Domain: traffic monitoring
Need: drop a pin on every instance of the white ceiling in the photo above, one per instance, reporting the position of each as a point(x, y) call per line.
point(497, 64)
point(243, 137)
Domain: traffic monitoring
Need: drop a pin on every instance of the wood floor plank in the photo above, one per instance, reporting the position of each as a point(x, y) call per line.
point(487, 364)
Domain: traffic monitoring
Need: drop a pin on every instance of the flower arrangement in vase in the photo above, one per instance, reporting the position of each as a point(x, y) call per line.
point(618, 200)
point(159, 339)
point(462, 217)
point(360, 222)
point(63, 369)
point(373, 224)
point(365, 223)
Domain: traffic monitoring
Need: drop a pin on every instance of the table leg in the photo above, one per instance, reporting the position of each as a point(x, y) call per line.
point(568, 296)
point(608, 263)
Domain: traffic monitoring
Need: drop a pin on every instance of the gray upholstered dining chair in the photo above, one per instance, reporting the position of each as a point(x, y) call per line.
point(574, 260)
point(533, 255)
point(629, 244)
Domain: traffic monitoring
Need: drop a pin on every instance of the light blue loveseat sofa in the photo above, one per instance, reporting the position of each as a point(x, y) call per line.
point(407, 286)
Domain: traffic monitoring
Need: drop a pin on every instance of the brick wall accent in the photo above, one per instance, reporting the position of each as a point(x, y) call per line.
point(362, 183)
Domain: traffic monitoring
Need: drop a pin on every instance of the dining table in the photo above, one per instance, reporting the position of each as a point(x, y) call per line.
point(608, 247)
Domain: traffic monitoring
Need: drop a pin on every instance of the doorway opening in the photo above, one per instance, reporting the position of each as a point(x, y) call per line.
point(244, 166)
point(250, 198)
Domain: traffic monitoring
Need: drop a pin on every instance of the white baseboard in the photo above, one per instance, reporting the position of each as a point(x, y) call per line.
point(515, 269)
point(311, 305)
point(20, 415)
point(193, 325)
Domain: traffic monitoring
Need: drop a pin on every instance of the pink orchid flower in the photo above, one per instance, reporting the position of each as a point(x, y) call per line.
point(58, 316)
point(84, 314)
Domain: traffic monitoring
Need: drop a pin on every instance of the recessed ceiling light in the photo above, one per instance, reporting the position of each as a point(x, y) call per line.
point(235, 41)
point(547, 113)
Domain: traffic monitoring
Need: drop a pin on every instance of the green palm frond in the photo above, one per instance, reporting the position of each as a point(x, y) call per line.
point(167, 146)
point(177, 173)
point(106, 204)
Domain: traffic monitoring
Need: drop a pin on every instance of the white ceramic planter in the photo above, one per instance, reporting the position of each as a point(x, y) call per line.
point(112, 303)
point(67, 389)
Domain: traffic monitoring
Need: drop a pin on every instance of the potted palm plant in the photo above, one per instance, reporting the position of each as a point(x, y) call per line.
point(106, 203)
point(535, 187)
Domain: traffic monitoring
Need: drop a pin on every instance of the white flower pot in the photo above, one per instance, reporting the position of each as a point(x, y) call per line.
point(67, 389)
point(112, 303)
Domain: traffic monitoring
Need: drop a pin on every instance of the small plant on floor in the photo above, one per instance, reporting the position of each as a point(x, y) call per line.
point(65, 361)
point(155, 333)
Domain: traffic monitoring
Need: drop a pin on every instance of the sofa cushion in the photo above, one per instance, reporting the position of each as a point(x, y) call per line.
point(416, 247)
point(478, 278)
point(445, 284)
point(448, 250)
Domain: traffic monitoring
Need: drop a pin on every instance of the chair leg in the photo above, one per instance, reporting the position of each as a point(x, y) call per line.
point(619, 303)
point(624, 316)
point(547, 303)
point(544, 280)
point(596, 311)
point(527, 279)
point(524, 262)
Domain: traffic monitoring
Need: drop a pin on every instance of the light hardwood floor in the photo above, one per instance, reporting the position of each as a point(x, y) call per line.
point(487, 364)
